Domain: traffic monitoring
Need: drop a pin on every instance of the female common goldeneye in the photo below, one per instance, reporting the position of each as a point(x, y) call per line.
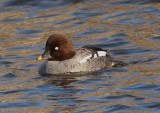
point(63, 57)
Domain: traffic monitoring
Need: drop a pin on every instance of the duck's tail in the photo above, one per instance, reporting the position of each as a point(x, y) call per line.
point(117, 63)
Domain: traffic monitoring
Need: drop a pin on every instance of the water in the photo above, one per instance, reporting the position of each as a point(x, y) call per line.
point(129, 29)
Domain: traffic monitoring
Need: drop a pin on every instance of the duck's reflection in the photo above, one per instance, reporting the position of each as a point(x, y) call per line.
point(65, 80)
point(60, 80)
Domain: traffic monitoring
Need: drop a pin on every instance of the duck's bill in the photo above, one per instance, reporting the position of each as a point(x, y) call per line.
point(39, 58)
point(45, 55)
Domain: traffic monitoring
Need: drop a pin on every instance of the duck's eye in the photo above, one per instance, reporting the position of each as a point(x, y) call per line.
point(56, 48)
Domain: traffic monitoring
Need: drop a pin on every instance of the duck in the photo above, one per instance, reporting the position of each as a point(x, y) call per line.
point(62, 57)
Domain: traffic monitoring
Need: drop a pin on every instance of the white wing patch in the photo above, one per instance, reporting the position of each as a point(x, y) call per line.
point(101, 53)
point(98, 54)
point(85, 59)
point(95, 55)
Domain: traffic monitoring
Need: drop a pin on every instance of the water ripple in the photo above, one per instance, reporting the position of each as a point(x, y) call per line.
point(127, 29)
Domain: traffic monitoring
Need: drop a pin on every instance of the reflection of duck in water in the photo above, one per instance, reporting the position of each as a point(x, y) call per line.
point(63, 57)
point(67, 81)
point(60, 80)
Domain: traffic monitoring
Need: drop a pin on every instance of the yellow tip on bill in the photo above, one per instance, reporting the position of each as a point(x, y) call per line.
point(39, 58)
